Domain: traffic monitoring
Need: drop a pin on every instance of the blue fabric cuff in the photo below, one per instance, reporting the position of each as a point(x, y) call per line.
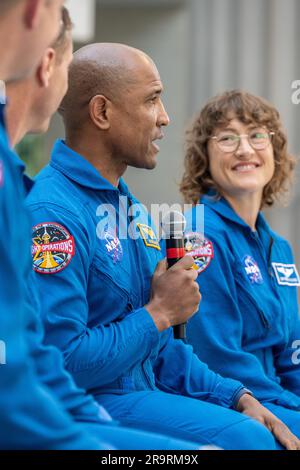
point(238, 395)
point(144, 325)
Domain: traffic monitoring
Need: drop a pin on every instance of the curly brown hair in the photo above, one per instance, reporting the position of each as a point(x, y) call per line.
point(249, 109)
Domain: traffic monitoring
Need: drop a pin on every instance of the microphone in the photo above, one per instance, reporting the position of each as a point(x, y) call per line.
point(173, 225)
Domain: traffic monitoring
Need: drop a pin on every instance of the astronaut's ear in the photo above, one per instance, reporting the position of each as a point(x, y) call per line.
point(45, 69)
point(99, 110)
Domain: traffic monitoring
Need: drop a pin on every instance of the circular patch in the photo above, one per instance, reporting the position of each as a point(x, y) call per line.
point(202, 250)
point(252, 270)
point(52, 248)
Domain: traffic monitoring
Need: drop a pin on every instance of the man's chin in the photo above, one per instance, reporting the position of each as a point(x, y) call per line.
point(146, 165)
point(151, 163)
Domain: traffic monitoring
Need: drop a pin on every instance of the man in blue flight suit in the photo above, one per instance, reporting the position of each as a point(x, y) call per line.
point(30, 416)
point(32, 101)
point(107, 299)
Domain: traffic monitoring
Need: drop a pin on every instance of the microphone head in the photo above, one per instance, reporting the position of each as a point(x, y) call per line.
point(173, 224)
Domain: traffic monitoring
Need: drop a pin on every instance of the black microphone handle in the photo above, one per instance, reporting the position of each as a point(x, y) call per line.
point(179, 331)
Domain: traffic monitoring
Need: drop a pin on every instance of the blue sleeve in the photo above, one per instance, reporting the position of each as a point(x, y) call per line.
point(216, 389)
point(94, 355)
point(179, 370)
point(287, 356)
point(287, 361)
point(50, 370)
point(216, 331)
point(30, 416)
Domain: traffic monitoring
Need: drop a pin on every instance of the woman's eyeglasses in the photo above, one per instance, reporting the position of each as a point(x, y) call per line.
point(230, 142)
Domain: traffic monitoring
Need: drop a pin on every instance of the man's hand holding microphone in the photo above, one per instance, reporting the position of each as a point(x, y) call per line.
point(175, 295)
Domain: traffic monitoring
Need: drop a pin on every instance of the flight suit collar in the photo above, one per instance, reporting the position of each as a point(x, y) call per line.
point(78, 169)
point(2, 115)
point(222, 207)
point(16, 162)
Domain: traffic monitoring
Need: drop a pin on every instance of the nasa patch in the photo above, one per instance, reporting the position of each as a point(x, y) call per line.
point(202, 250)
point(286, 274)
point(113, 245)
point(252, 270)
point(149, 236)
point(53, 247)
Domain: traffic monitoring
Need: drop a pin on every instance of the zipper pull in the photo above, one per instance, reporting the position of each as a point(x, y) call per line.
point(264, 320)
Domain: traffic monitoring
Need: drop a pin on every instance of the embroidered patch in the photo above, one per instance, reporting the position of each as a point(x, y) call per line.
point(286, 274)
point(202, 250)
point(252, 270)
point(52, 249)
point(149, 236)
point(113, 245)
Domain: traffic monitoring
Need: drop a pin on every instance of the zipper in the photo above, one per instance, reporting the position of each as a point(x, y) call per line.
point(269, 258)
point(142, 299)
point(108, 276)
point(264, 320)
point(262, 316)
point(137, 256)
point(269, 267)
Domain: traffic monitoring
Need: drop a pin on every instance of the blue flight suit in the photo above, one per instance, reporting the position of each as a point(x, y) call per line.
point(34, 387)
point(30, 417)
point(93, 282)
point(248, 326)
point(49, 366)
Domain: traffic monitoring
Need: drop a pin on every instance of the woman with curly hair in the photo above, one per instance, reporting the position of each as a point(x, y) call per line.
point(248, 327)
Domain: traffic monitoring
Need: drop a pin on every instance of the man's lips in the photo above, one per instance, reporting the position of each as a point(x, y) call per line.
point(159, 137)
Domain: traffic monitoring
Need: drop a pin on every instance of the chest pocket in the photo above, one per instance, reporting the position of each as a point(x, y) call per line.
point(258, 321)
point(112, 293)
point(121, 271)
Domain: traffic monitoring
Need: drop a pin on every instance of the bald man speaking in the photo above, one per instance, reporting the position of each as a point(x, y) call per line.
point(108, 301)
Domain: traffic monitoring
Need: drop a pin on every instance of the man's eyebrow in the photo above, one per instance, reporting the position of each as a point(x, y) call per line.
point(157, 87)
point(157, 90)
point(152, 94)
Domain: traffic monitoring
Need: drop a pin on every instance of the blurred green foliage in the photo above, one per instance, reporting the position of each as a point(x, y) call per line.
point(32, 150)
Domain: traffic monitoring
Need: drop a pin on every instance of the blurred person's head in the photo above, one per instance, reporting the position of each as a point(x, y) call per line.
point(114, 105)
point(27, 28)
point(34, 100)
point(236, 146)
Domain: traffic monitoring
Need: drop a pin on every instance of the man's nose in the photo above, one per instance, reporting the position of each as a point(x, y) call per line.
point(163, 118)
